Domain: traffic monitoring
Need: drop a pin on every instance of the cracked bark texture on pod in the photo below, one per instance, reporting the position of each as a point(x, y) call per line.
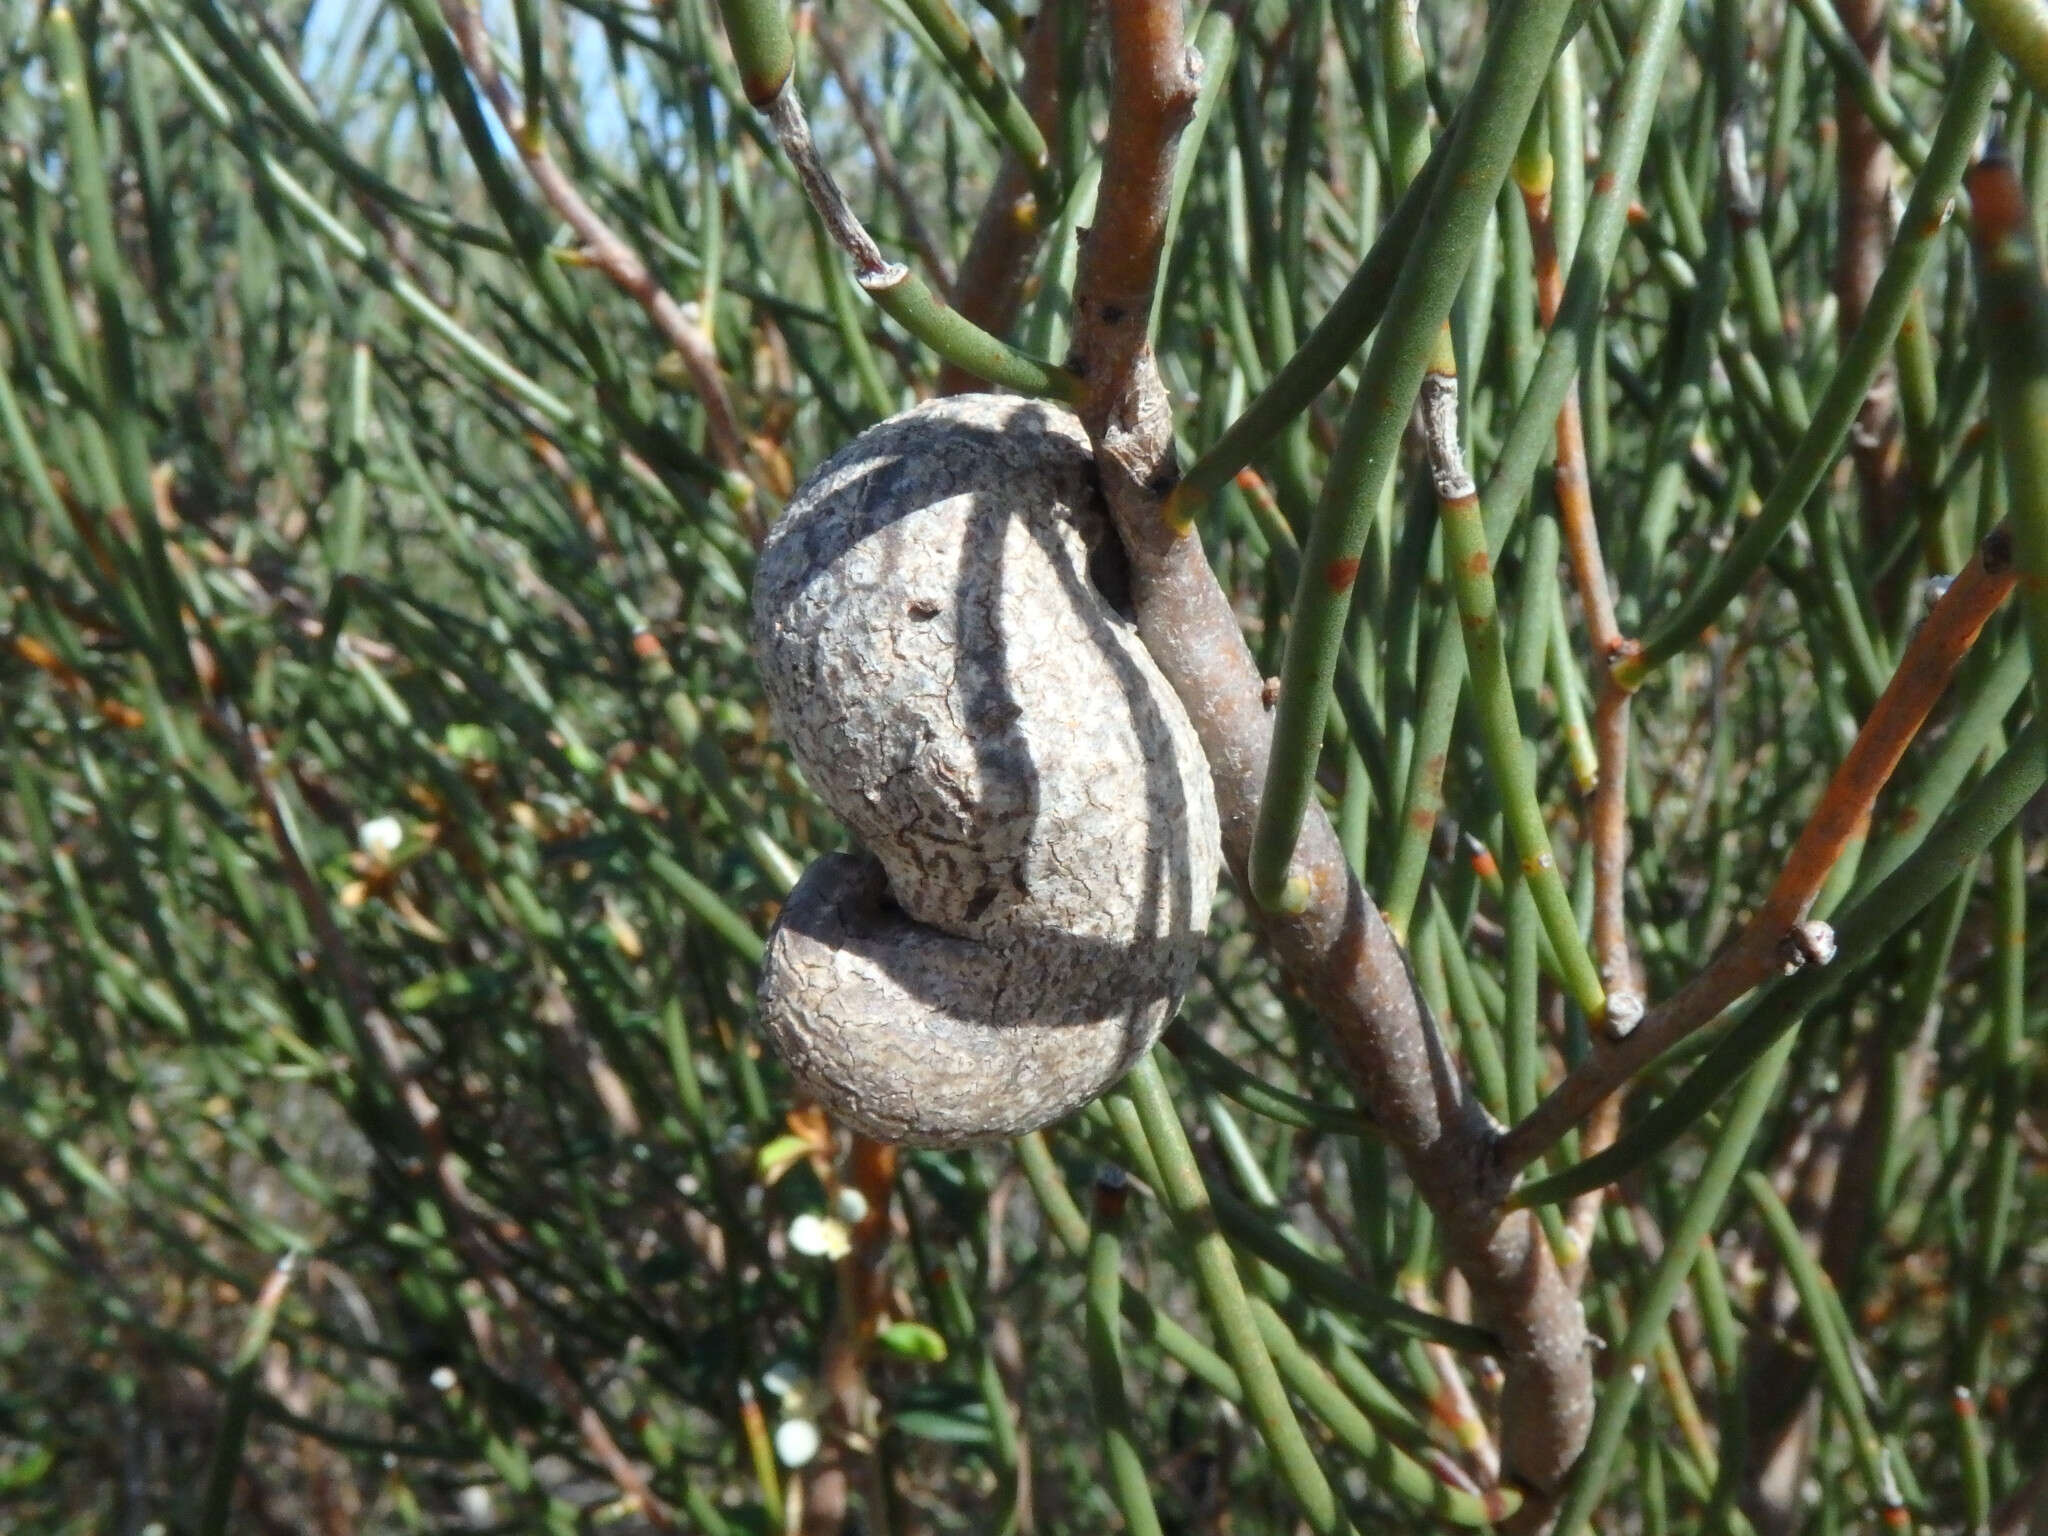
point(938, 619)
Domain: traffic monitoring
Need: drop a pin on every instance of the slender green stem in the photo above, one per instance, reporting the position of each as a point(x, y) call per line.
point(1128, 1482)
point(908, 300)
point(2013, 306)
point(1506, 90)
point(1568, 346)
point(216, 1499)
point(124, 408)
point(1390, 1466)
point(1234, 1082)
point(1186, 1198)
point(2010, 1075)
point(761, 46)
point(1508, 755)
point(989, 91)
point(1329, 345)
point(1976, 1463)
point(2020, 30)
point(1286, 1251)
point(1962, 119)
point(1829, 1327)
point(1147, 1322)
point(1685, 1246)
point(1878, 104)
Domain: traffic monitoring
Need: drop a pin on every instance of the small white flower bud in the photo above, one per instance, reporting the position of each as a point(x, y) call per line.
point(380, 838)
point(796, 1442)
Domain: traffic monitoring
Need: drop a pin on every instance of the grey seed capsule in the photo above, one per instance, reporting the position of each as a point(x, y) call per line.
point(936, 622)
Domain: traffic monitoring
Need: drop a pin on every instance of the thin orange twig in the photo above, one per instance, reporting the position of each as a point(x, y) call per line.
point(1606, 830)
point(1778, 934)
point(604, 247)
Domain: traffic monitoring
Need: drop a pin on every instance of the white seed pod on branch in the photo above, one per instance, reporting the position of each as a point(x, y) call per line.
point(936, 621)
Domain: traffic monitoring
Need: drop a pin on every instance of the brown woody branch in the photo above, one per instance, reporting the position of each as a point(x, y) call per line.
point(1338, 950)
point(990, 288)
point(1778, 935)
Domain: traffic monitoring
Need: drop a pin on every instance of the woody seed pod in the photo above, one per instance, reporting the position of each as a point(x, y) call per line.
point(936, 625)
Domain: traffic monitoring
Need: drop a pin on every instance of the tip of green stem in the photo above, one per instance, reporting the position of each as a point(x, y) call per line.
point(738, 489)
point(763, 86)
point(1568, 1250)
point(1288, 896)
point(1535, 176)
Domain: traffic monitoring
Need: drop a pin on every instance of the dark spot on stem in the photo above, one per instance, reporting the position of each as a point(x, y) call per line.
point(1997, 551)
point(1339, 574)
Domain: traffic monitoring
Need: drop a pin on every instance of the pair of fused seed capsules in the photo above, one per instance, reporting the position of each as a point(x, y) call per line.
point(939, 625)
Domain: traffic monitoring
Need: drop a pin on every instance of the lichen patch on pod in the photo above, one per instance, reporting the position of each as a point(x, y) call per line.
point(936, 621)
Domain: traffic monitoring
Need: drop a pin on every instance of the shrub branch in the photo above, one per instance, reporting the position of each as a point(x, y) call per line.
point(1337, 948)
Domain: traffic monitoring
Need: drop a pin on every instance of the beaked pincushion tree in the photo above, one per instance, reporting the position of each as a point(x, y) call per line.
point(550, 546)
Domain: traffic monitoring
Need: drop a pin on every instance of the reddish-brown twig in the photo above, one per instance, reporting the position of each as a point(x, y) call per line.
point(603, 246)
point(1606, 829)
point(992, 276)
point(862, 1298)
point(1778, 935)
point(1338, 948)
point(1863, 221)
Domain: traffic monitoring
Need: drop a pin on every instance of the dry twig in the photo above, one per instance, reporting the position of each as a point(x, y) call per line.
point(604, 247)
point(993, 274)
point(1779, 935)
